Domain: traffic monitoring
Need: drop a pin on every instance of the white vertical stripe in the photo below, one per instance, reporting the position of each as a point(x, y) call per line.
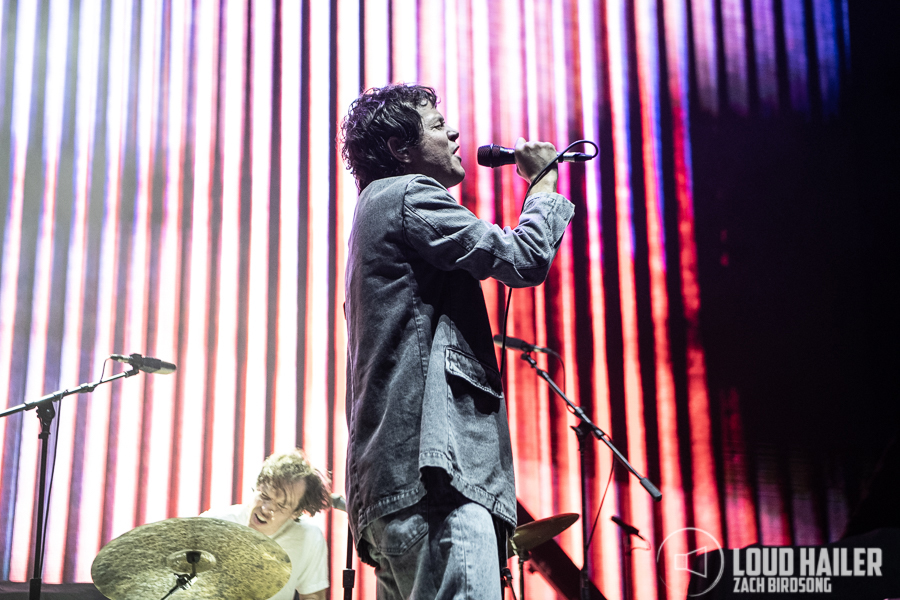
point(451, 51)
point(190, 459)
point(451, 78)
point(57, 59)
point(531, 77)
point(431, 54)
point(405, 50)
point(226, 351)
point(57, 63)
point(315, 400)
point(96, 456)
point(9, 271)
point(85, 108)
point(561, 70)
point(131, 400)
point(348, 84)
point(158, 458)
point(257, 309)
point(348, 89)
point(481, 92)
point(285, 428)
point(376, 30)
point(510, 79)
point(40, 297)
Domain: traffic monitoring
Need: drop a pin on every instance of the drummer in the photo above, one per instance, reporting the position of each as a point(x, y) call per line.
point(287, 487)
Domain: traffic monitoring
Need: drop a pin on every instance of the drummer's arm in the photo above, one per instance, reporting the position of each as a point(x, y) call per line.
point(320, 595)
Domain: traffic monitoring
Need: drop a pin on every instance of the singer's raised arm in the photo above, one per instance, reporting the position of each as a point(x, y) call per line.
point(449, 236)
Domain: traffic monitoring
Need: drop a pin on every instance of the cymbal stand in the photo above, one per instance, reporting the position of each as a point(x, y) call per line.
point(183, 579)
point(46, 414)
point(585, 429)
point(523, 558)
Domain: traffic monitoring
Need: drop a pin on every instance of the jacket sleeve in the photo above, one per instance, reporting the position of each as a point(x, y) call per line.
point(449, 236)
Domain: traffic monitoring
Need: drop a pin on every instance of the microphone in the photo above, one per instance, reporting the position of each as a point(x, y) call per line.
point(493, 156)
point(145, 364)
point(517, 344)
point(629, 529)
point(338, 502)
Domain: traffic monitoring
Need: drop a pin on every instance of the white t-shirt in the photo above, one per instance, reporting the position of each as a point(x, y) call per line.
point(304, 543)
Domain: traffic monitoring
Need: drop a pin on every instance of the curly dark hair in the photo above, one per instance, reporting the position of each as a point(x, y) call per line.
point(281, 470)
point(376, 116)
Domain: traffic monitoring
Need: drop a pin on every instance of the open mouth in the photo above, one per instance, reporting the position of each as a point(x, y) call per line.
point(259, 520)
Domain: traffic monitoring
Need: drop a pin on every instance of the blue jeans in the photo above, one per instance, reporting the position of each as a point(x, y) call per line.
point(444, 547)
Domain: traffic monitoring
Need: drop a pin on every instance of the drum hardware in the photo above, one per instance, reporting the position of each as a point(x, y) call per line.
point(529, 536)
point(202, 557)
point(192, 557)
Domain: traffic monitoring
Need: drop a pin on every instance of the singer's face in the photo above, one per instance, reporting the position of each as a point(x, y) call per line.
point(436, 156)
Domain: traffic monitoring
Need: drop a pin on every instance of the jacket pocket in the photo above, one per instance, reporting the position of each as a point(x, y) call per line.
point(477, 435)
point(471, 370)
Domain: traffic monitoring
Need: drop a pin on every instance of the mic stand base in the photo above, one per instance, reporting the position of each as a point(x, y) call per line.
point(34, 588)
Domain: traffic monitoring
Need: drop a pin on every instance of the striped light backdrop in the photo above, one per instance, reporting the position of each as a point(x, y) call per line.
point(170, 185)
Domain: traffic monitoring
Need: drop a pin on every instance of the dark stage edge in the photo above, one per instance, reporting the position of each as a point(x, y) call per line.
point(10, 590)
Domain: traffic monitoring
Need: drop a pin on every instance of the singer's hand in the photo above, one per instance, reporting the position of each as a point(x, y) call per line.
point(531, 158)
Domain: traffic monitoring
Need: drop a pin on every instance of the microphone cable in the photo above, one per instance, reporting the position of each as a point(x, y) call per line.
point(556, 160)
point(537, 178)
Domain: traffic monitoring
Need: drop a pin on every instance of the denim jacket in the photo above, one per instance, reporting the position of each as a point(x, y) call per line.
point(423, 386)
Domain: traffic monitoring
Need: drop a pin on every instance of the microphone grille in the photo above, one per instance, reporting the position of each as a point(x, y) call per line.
point(486, 155)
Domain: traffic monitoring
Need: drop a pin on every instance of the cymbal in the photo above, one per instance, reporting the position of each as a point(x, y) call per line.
point(235, 561)
point(531, 535)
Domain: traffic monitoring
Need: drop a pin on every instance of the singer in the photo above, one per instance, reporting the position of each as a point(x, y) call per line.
point(430, 489)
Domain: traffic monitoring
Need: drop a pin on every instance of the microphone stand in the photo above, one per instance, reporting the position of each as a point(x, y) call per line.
point(46, 413)
point(349, 572)
point(583, 431)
